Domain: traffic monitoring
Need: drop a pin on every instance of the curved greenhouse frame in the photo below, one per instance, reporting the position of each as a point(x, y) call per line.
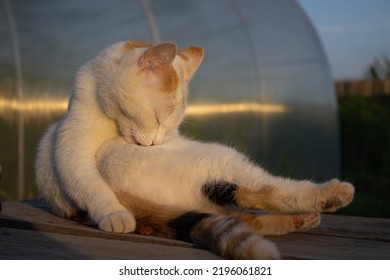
point(264, 86)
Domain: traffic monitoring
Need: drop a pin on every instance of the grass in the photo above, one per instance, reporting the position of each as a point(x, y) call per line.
point(365, 144)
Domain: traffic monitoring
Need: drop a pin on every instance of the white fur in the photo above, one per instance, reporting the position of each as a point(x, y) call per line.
point(103, 145)
point(110, 96)
point(173, 174)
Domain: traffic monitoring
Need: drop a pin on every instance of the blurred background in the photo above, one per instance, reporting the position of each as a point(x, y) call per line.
point(301, 87)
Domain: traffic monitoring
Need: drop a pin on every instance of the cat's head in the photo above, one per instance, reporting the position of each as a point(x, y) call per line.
point(145, 88)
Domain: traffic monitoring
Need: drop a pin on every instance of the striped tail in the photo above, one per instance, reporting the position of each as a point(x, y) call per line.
point(224, 235)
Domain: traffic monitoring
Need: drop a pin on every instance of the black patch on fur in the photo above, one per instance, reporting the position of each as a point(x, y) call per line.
point(183, 224)
point(221, 193)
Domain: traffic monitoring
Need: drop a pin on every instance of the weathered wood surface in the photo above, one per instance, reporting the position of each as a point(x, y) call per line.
point(28, 230)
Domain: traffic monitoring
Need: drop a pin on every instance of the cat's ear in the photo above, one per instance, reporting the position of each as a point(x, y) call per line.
point(158, 57)
point(192, 57)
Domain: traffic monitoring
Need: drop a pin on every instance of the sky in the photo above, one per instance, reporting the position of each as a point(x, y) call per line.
point(353, 32)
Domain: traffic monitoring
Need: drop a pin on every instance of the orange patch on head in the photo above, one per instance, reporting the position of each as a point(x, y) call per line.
point(183, 56)
point(192, 57)
point(170, 82)
point(191, 52)
point(158, 60)
point(128, 46)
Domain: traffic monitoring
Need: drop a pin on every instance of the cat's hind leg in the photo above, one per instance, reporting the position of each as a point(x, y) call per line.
point(226, 236)
point(336, 194)
point(282, 195)
point(297, 197)
point(278, 224)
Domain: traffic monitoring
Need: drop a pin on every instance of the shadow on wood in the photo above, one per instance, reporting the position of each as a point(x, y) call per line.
point(28, 230)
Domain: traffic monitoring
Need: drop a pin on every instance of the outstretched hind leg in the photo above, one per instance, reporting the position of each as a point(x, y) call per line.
point(282, 195)
point(225, 235)
point(278, 224)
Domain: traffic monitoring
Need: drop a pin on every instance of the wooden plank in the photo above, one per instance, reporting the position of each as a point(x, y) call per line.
point(338, 237)
point(36, 215)
point(354, 227)
point(39, 215)
point(30, 245)
point(310, 246)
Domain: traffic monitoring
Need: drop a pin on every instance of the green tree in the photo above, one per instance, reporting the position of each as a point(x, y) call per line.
point(379, 69)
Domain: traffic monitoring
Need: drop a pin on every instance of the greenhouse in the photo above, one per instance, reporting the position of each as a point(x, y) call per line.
point(264, 87)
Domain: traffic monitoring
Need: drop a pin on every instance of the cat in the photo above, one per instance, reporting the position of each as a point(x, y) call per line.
point(117, 155)
point(110, 93)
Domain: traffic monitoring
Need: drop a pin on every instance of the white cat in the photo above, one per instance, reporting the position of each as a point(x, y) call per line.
point(122, 91)
point(118, 156)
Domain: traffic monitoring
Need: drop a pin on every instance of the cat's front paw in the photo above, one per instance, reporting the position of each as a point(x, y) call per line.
point(338, 194)
point(119, 222)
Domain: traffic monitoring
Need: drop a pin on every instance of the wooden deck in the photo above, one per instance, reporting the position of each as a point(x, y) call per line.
point(29, 231)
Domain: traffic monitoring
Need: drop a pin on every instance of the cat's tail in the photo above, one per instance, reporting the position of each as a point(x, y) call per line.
point(224, 235)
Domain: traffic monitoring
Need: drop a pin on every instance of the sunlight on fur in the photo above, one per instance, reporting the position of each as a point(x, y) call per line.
point(117, 154)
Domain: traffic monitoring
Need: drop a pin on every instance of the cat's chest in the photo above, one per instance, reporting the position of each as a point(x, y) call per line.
point(159, 165)
point(161, 161)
